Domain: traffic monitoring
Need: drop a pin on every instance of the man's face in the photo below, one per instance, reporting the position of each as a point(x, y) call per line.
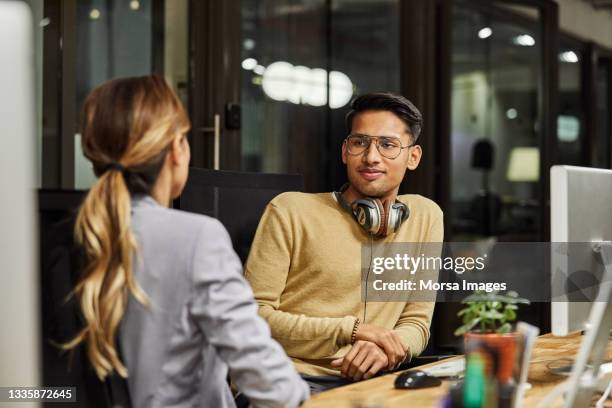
point(370, 173)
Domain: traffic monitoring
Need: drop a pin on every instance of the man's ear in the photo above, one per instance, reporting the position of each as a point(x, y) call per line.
point(344, 154)
point(414, 157)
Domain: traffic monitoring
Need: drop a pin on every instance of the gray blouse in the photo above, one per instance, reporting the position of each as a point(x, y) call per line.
point(202, 322)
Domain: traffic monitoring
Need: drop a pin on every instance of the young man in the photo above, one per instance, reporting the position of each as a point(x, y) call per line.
point(305, 262)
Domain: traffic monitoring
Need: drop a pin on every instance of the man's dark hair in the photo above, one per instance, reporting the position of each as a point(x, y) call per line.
point(385, 101)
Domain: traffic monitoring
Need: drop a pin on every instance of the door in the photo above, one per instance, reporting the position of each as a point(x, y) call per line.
point(214, 83)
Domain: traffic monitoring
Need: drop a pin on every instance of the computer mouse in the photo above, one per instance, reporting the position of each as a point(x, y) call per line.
point(415, 379)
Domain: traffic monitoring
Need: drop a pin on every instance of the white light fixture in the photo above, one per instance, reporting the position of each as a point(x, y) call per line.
point(340, 89)
point(512, 113)
point(94, 14)
point(569, 56)
point(524, 40)
point(277, 80)
point(524, 164)
point(283, 81)
point(248, 44)
point(134, 5)
point(259, 69)
point(249, 63)
point(485, 33)
point(317, 94)
point(568, 128)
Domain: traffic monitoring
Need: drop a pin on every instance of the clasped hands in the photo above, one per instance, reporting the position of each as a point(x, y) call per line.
point(375, 348)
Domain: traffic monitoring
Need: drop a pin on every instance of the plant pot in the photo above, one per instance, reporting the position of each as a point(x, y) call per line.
point(504, 345)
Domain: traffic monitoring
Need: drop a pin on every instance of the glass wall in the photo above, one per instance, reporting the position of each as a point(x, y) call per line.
point(88, 42)
point(495, 137)
point(571, 122)
point(604, 113)
point(114, 39)
point(302, 62)
point(284, 83)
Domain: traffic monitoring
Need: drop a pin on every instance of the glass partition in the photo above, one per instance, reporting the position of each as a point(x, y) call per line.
point(495, 135)
point(571, 120)
point(604, 113)
point(302, 62)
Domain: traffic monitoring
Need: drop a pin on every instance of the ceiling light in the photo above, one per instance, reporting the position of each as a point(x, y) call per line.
point(248, 44)
point(485, 33)
point(249, 64)
point(259, 69)
point(524, 40)
point(94, 14)
point(302, 85)
point(569, 56)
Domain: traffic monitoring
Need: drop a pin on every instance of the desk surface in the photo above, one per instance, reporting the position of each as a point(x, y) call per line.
point(547, 349)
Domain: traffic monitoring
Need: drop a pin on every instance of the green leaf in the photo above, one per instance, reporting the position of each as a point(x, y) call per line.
point(509, 314)
point(504, 328)
point(467, 327)
point(493, 314)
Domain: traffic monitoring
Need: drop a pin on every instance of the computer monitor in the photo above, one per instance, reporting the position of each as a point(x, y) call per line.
point(581, 212)
point(19, 315)
point(237, 199)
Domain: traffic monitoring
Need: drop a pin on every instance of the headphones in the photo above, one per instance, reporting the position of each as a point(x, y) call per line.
point(376, 217)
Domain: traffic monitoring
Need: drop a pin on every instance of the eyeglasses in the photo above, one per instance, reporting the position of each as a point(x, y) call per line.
point(388, 146)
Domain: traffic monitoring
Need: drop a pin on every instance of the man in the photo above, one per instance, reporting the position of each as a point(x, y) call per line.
point(305, 261)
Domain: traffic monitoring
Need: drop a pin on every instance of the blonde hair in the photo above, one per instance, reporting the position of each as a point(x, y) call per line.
point(127, 128)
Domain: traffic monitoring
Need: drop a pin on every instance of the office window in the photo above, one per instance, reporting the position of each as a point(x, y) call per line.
point(495, 128)
point(88, 42)
point(113, 39)
point(604, 114)
point(573, 104)
point(302, 63)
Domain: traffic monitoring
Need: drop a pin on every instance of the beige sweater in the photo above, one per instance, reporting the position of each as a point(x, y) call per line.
point(304, 268)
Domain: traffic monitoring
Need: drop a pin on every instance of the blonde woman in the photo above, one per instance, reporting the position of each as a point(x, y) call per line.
point(162, 284)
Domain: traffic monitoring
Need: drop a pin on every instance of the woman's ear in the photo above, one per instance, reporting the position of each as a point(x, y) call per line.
point(177, 151)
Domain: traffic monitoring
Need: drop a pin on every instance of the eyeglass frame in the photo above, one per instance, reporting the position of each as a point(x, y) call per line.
point(377, 145)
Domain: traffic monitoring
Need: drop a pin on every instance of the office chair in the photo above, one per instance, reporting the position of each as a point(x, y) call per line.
point(60, 266)
point(237, 199)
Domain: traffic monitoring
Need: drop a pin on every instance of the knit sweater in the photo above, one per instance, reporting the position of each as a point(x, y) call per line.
point(305, 270)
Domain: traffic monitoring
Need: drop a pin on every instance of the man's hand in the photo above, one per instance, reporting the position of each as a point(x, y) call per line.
point(386, 339)
point(363, 361)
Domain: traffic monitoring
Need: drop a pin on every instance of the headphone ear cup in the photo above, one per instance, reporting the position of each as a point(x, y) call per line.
point(392, 218)
point(398, 212)
point(367, 213)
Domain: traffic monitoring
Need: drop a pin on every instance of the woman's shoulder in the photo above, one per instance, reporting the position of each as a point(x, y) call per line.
point(182, 226)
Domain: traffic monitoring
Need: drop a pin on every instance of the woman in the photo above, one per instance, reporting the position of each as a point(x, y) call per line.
point(168, 282)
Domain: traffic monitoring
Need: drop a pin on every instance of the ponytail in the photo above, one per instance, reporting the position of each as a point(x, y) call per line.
point(103, 230)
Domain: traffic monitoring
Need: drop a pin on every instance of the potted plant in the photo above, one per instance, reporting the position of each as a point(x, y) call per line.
point(487, 321)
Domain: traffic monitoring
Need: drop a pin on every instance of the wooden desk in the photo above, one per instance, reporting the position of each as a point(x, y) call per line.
point(547, 349)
